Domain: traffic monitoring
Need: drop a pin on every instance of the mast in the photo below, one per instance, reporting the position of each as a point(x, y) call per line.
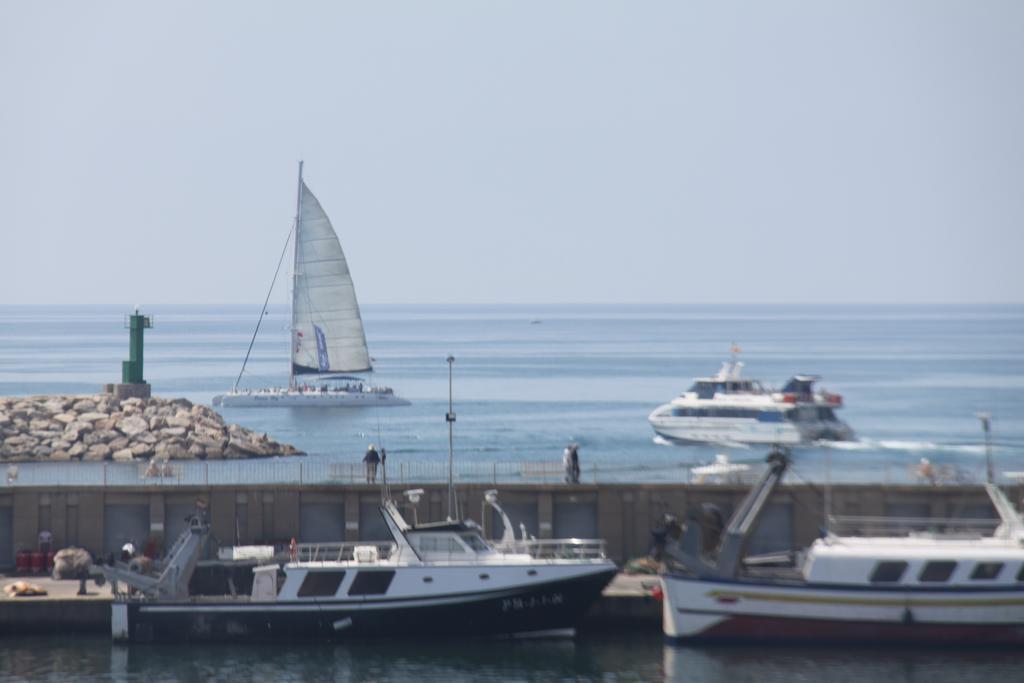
point(295, 279)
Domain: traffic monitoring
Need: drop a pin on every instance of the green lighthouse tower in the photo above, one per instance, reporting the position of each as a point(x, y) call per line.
point(132, 382)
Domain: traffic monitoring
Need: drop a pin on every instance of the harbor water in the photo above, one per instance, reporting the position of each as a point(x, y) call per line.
point(529, 379)
point(587, 658)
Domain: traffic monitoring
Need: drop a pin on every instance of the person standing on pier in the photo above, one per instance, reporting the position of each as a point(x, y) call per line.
point(372, 459)
point(574, 460)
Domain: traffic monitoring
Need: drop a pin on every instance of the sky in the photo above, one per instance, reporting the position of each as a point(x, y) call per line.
point(516, 152)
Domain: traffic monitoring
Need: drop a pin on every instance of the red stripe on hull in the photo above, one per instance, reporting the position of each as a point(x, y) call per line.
point(777, 629)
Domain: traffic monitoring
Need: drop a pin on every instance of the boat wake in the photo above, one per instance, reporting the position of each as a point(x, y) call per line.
point(906, 446)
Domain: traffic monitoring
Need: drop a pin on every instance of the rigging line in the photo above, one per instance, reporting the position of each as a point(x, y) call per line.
point(263, 311)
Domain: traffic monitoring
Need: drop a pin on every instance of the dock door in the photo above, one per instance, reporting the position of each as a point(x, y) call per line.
point(6, 537)
point(123, 523)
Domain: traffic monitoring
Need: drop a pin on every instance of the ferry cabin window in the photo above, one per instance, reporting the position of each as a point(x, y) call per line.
point(936, 572)
point(888, 572)
point(371, 583)
point(320, 584)
point(986, 571)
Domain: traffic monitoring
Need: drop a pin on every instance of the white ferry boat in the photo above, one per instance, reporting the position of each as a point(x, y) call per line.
point(729, 409)
point(959, 587)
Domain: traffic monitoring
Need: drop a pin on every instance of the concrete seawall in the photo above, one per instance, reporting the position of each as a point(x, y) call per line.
point(102, 519)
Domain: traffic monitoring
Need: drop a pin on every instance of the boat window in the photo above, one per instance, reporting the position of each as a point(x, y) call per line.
point(371, 583)
point(475, 542)
point(986, 571)
point(888, 572)
point(1020, 574)
point(770, 416)
point(935, 572)
point(435, 543)
point(320, 584)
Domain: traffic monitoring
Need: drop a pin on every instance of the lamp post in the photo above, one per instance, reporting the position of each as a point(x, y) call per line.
point(450, 419)
point(986, 426)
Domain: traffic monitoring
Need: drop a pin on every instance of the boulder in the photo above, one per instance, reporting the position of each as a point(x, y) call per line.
point(65, 418)
point(146, 437)
point(123, 455)
point(91, 417)
point(132, 425)
point(80, 426)
point(172, 431)
point(118, 443)
point(60, 455)
point(56, 405)
point(100, 451)
point(106, 435)
point(142, 450)
point(182, 418)
point(77, 450)
point(84, 406)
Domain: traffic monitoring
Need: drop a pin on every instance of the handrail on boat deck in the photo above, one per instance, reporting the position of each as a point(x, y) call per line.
point(854, 525)
point(342, 552)
point(546, 549)
point(558, 548)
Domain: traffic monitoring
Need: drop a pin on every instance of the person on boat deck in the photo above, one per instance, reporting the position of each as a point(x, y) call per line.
point(372, 459)
point(574, 460)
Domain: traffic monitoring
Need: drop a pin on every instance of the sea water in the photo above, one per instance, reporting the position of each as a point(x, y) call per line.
point(530, 379)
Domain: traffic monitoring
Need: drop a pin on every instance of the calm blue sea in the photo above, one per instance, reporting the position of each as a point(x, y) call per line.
point(529, 379)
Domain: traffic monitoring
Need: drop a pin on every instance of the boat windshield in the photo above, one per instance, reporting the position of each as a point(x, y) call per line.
point(708, 388)
point(474, 541)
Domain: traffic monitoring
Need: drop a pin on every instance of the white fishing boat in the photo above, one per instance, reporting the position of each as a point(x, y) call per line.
point(956, 586)
point(729, 409)
point(432, 580)
point(327, 335)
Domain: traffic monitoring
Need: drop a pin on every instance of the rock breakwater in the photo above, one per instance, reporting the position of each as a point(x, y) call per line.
point(102, 427)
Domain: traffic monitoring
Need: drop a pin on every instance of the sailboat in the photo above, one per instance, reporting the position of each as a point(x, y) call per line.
point(327, 336)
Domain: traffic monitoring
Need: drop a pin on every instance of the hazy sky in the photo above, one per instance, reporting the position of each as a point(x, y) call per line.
point(516, 151)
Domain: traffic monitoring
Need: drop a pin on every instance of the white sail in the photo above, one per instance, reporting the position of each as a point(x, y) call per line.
point(327, 330)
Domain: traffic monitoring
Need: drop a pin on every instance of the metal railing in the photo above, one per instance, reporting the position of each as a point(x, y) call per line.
point(342, 552)
point(301, 471)
point(850, 525)
point(558, 549)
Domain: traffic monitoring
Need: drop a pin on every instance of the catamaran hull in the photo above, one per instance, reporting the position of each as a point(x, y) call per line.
point(541, 609)
point(721, 430)
point(707, 610)
point(328, 399)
